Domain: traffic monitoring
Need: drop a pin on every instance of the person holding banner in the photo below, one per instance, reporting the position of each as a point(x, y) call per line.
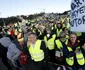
point(73, 53)
point(77, 23)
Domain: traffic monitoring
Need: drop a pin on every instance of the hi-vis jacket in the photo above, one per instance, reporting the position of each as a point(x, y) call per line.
point(50, 42)
point(36, 53)
point(71, 56)
point(58, 32)
point(59, 44)
point(19, 35)
point(79, 57)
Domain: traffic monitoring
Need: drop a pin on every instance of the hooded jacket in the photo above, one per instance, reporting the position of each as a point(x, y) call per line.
point(13, 52)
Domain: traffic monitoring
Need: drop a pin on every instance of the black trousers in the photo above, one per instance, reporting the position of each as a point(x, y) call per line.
point(5, 62)
point(51, 55)
point(32, 65)
point(41, 65)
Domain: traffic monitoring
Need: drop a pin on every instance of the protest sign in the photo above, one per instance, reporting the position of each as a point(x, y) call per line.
point(77, 21)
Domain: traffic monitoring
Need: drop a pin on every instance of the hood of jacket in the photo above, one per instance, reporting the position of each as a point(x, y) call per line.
point(5, 41)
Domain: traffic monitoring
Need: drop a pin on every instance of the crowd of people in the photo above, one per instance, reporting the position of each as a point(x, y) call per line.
point(41, 43)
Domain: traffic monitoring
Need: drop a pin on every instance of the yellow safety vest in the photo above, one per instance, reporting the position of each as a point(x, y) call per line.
point(40, 32)
point(79, 33)
point(52, 28)
point(33, 31)
point(8, 32)
point(79, 57)
point(20, 37)
point(68, 26)
point(67, 36)
point(20, 30)
point(21, 40)
point(36, 53)
point(59, 44)
point(15, 31)
point(54, 36)
point(49, 43)
point(58, 32)
point(55, 26)
point(15, 25)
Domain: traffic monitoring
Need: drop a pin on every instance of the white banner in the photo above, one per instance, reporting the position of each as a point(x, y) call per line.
point(77, 16)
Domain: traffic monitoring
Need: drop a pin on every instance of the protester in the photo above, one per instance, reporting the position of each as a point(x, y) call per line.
point(3, 55)
point(73, 54)
point(66, 31)
point(38, 52)
point(13, 52)
point(58, 48)
point(49, 40)
point(45, 34)
point(59, 29)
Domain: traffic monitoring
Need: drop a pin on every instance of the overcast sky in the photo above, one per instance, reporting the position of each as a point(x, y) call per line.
point(26, 7)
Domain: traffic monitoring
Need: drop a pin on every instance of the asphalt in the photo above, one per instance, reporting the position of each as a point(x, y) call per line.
point(26, 67)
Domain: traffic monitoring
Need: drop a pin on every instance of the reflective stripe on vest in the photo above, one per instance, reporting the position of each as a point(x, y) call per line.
point(49, 43)
point(36, 53)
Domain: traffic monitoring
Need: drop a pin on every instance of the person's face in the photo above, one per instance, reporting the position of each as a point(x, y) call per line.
point(48, 31)
point(73, 38)
point(66, 30)
point(63, 38)
point(59, 25)
point(32, 38)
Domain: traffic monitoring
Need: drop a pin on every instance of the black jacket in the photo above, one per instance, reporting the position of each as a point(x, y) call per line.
point(3, 51)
